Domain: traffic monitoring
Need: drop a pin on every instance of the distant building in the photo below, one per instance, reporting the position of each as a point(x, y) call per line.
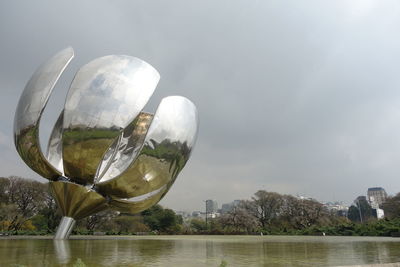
point(360, 199)
point(376, 196)
point(213, 215)
point(196, 214)
point(304, 197)
point(184, 214)
point(236, 202)
point(337, 207)
point(380, 213)
point(211, 206)
point(225, 208)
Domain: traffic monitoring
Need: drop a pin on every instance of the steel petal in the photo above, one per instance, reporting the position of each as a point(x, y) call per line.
point(54, 148)
point(76, 201)
point(105, 96)
point(167, 147)
point(124, 150)
point(138, 204)
point(29, 111)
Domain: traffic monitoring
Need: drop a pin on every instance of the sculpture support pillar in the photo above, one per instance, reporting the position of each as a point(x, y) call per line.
point(65, 228)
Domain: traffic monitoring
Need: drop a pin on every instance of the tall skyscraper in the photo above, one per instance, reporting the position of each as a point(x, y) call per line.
point(376, 196)
point(230, 206)
point(211, 206)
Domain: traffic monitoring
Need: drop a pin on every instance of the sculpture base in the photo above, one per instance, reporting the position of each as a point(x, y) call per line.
point(65, 228)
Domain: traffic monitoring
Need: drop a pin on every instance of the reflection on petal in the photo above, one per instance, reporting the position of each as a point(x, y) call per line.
point(105, 96)
point(124, 150)
point(140, 203)
point(167, 147)
point(54, 148)
point(76, 201)
point(29, 111)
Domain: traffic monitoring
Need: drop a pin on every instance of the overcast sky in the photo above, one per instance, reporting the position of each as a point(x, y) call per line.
point(297, 97)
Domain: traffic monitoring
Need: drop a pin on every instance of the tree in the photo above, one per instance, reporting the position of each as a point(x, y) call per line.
point(99, 220)
point(265, 206)
point(240, 220)
point(300, 213)
point(49, 211)
point(4, 185)
point(160, 219)
point(167, 220)
point(28, 196)
point(8, 214)
point(391, 207)
point(130, 224)
point(198, 225)
point(282, 212)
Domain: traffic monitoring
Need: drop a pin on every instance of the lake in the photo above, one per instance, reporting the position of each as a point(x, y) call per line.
point(199, 251)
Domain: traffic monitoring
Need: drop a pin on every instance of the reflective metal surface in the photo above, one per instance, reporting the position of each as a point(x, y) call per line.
point(104, 152)
point(30, 108)
point(137, 204)
point(75, 200)
point(165, 151)
point(54, 148)
point(105, 96)
point(125, 148)
point(65, 228)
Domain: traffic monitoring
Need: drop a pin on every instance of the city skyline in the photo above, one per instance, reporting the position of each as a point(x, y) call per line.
point(234, 202)
point(295, 98)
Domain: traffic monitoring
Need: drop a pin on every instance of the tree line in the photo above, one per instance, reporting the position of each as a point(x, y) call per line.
point(27, 207)
point(274, 213)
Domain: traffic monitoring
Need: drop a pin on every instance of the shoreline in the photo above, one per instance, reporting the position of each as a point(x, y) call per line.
point(225, 238)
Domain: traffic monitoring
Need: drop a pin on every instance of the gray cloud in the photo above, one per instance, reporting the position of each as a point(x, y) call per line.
point(294, 97)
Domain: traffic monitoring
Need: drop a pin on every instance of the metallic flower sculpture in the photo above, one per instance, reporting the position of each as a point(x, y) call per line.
point(104, 152)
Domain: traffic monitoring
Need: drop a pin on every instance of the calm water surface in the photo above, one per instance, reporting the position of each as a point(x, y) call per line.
point(201, 251)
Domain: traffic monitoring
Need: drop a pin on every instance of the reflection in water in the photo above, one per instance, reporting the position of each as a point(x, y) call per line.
point(62, 251)
point(201, 251)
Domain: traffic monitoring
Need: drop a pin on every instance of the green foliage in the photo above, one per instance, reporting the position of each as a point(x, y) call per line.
point(198, 225)
point(79, 263)
point(162, 220)
point(126, 224)
point(383, 227)
point(391, 207)
point(91, 134)
point(81, 231)
point(39, 221)
point(22, 200)
point(50, 219)
point(223, 263)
